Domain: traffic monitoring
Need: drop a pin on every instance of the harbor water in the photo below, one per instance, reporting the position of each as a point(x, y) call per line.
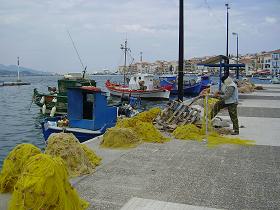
point(20, 120)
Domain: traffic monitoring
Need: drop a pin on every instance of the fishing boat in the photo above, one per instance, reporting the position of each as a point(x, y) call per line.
point(55, 102)
point(140, 85)
point(190, 87)
point(88, 114)
point(275, 80)
point(205, 82)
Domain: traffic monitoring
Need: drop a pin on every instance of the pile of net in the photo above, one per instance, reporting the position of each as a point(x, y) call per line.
point(44, 184)
point(245, 87)
point(192, 132)
point(79, 159)
point(129, 132)
point(120, 138)
point(13, 165)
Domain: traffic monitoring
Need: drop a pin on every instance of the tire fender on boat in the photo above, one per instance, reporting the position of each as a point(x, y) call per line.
point(42, 101)
point(53, 111)
point(44, 107)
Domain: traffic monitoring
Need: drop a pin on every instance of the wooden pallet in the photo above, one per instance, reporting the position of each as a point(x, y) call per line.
point(176, 114)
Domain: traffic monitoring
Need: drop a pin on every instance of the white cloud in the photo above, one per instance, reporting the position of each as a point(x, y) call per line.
point(271, 20)
point(99, 26)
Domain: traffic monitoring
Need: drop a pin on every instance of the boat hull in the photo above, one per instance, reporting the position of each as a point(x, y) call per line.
point(189, 90)
point(59, 99)
point(146, 94)
point(81, 134)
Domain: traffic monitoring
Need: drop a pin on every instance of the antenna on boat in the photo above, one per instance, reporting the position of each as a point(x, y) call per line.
point(84, 68)
point(126, 49)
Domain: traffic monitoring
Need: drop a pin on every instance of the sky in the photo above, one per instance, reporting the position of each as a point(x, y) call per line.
point(36, 31)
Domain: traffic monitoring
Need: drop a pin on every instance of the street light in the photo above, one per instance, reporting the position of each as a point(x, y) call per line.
point(237, 73)
point(227, 68)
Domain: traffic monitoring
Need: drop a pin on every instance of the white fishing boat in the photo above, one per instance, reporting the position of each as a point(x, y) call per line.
point(140, 85)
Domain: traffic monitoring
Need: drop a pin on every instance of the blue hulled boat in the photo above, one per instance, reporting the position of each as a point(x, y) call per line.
point(205, 82)
point(191, 87)
point(88, 115)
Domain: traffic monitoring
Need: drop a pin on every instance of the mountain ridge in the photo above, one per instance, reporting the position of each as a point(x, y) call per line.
point(11, 70)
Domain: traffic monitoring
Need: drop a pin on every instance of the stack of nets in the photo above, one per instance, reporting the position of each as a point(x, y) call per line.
point(38, 181)
point(13, 165)
point(129, 132)
point(120, 138)
point(192, 132)
point(245, 87)
point(79, 158)
point(44, 184)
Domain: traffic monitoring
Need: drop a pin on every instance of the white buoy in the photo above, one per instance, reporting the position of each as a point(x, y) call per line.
point(44, 108)
point(54, 100)
point(53, 111)
point(42, 101)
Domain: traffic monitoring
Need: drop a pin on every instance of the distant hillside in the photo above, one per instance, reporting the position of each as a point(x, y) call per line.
point(11, 70)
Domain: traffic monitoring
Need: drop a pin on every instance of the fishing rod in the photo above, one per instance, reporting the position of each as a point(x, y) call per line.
point(84, 68)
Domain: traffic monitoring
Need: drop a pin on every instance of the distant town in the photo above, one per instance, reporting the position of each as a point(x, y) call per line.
point(257, 63)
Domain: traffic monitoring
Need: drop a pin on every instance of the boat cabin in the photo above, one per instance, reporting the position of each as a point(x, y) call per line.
point(141, 82)
point(88, 109)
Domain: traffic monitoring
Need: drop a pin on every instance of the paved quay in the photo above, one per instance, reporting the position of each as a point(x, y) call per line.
point(189, 175)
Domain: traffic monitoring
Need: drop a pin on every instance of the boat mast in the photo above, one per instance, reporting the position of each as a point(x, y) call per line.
point(18, 69)
point(126, 49)
point(84, 68)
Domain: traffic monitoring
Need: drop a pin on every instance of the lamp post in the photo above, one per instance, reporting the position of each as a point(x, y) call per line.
point(181, 51)
point(237, 72)
point(227, 68)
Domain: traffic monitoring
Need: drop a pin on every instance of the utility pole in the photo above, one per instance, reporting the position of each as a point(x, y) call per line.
point(141, 58)
point(237, 56)
point(227, 62)
point(125, 48)
point(181, 51)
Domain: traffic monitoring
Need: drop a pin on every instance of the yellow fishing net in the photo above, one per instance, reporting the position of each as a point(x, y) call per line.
point(44, 185)
point(93, 158)
point(148, 116)
point(188, 132)
point(13, 165)
point(215, 139)
point(126, 122)
point(120, 138)
point(211, 105)
point(148, 133)
point(79, 161)
point(192, 132)
point(142, 126)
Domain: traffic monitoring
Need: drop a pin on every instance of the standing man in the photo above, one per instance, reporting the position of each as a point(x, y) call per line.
point(228, 98)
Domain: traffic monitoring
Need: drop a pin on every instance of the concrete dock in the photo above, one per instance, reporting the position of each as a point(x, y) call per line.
point(188, 175)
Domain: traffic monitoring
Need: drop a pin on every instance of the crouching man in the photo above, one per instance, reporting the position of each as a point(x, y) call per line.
point(228, 98)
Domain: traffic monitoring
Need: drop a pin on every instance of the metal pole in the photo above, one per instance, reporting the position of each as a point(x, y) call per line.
point(206, 119)
point(125, 49)
point(181, 51)
point(227, 62)
point(237, 73)
point(18, 69)
point(141, 58)
point(220, 76)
